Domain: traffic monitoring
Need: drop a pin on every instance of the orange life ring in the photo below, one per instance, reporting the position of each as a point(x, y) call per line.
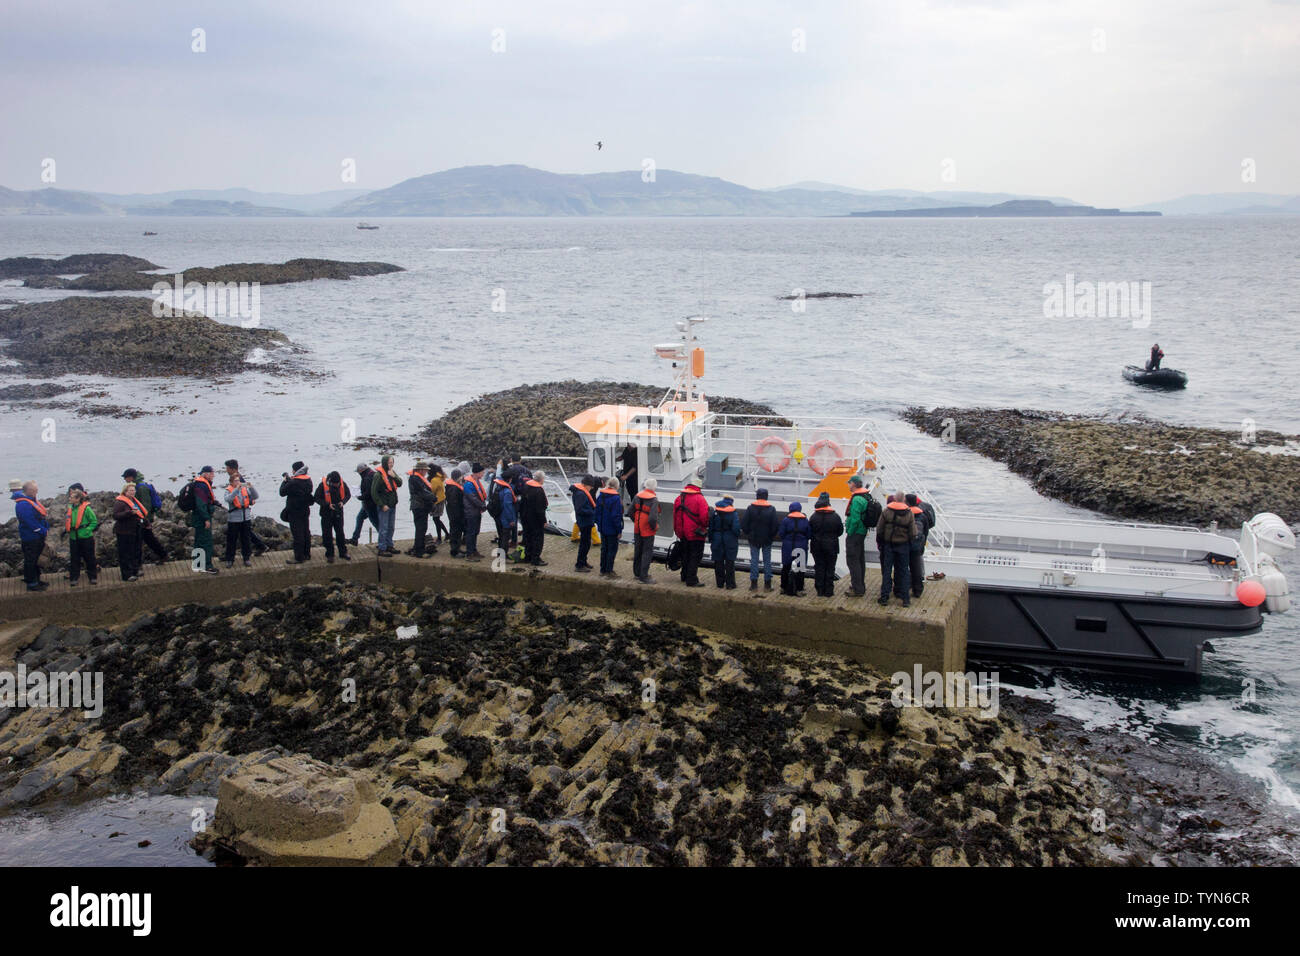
point(767, 443)
point(818, 446)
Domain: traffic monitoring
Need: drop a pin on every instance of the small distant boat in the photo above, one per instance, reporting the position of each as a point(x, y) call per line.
point(366, 225)
point(1170, 378)
point(151, 233)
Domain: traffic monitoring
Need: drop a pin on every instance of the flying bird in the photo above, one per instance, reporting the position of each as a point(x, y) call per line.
point(599, 146)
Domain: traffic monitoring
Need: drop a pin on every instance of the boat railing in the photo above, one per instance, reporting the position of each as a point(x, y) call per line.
point(557, 489)
point(1103, 523)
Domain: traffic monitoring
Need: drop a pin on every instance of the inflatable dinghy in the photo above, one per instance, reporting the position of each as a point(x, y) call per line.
point(1160, 378)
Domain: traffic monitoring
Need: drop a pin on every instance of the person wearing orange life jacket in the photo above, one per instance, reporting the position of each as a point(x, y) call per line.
point(724, 542)
point(205, 506)
point(33, 527)
point(691, 526)
point(503, 509)
point(793, 533)
point(128, 517)
point(422, 501)
point(532, 516)
point(824, 530)
point(894, 533)
point(609, 522)
point(860, 518)
point(331, 495)
point(645, 525)
point(455, 489)
point(759, 526)
point(240, 496)
point(296, 490)
point(584, 516)
point(79, 525)
point(235, 475)
point(916, 551)
point(438, 482)
point(474, 498)
point(383, 497)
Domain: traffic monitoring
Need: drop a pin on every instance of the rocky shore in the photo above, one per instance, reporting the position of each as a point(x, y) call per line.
point(529, 420)
point(130, 279)
point(27, 267)
point(120, 336)
point(512, 732)
point(1133, 468)
point(170, 525)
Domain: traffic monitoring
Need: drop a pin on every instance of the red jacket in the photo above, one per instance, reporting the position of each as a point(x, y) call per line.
point(691, 515)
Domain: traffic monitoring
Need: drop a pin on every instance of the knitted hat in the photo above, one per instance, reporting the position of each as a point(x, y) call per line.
point(297, 465)
point(762, 493)
point(795, 506)
point(823, 500)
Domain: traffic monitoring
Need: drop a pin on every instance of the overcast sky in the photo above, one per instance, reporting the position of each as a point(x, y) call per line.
point(1117, 102)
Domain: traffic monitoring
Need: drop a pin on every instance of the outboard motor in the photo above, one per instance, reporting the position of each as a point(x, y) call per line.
point(1263, 538)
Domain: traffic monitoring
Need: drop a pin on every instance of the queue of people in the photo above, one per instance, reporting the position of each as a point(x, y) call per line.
point(515, 500)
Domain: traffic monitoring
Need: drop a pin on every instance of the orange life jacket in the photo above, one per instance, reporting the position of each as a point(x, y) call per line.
point(725, 508)
point(849, 507)
point(325, 492)
point(586, 491)
point(456, 484)
point(40, 508)
point(81, 510)
point(478, 485)
point(504, 484)
point(824, 508)
point(533, 482)
point(241, 499)
point(641, 512)
point(211, 497)
point(415, 474)
point(135, 505)
point(388, 483)
point(762, 502)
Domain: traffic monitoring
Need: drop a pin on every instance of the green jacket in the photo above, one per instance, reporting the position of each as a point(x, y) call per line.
point(856, 522)
point(380, 494)
point(204, 505)
point(88, 524)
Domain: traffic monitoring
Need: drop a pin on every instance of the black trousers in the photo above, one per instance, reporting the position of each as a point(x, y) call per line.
point(147, 537)
point(791, 580)
point(584, 547)
point(421, 519)
point(332, 532)
point(300, 528)
point(455, 533)
point(507, 536)
point(692, 555)
point(534, 537)
point(824, 569)
point(724, 571)
point(437, 521)
point(31, 569)
point(916, 565)
point(128, 549)
point(472, 526)
point(855, 553)
point(608, 552)
point(643, 552)
point(239, 533)
point(82, 551)
point(895, 563)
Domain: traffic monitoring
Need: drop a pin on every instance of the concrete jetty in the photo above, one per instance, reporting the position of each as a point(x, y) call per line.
point(932, 632)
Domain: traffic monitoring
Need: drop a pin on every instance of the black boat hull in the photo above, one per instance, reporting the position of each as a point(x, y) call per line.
point(1168, 378)
point(1113, 632)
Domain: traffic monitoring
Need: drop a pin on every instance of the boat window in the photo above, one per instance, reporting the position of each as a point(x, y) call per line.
point(655, 459)
point(600, 459)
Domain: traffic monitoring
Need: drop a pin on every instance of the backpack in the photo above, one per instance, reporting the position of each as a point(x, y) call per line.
point(674, 558)
point(185, 500)
point(494, 505)
point(155, 501)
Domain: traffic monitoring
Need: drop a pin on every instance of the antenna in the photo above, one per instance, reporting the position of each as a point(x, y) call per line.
point(688, 359)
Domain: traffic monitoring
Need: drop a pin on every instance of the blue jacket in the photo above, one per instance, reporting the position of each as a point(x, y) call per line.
point(584, 508)
point(724, 530)
point(794, 533)
point(609, 514)
point(31, 526)
point(474, 503)
point(760, 524)
point(509, 514)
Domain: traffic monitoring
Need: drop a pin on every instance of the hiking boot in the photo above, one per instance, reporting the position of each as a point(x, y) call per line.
point(767, 585)
point(346, 557)
point(695, 584)
point(247, 563)
point(539, 563)
point(72, 584)
point(329, 559)
point(94, 581)
point(584, 568)
point(646, 579)
point(883, 602)
point(753, 585)
point(230, 564)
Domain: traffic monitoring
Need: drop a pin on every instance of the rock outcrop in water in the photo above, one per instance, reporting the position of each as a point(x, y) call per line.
point(170, 525)
point(514, 732)
point(120, 336)
point(26, 267)
point(529, 420)
point(129, 279)
point(1135, 468)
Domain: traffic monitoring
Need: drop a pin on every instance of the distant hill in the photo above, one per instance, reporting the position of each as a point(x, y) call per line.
point(210, 207)
point(1228, 204)
point(516, 190)
point(1010, 208)
point(939, 196)
point(53, 202)
point(304, 202)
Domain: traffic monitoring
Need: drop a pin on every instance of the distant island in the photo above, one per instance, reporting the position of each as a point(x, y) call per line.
point(516, 190)
point(1013, 207)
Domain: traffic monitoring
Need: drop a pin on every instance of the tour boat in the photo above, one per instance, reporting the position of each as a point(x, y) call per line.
point(1119, 596)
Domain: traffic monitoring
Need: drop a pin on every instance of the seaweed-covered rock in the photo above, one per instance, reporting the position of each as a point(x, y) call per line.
point(127, 278)
point(22, 267)
point(1133, 468)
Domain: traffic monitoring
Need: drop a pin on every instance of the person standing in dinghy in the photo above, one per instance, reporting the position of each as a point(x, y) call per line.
point(1153, 363)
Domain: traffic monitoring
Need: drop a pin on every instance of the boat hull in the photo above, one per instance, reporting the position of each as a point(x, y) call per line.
point(1120, 633)
point(1169, 378)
